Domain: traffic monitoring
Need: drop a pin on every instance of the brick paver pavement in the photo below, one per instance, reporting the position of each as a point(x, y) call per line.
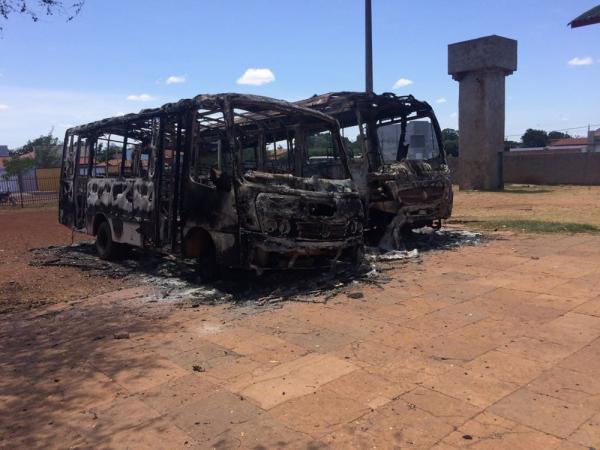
point(487, 347)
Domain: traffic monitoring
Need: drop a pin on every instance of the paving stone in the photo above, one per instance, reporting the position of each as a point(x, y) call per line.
point(518, 438)
point(588, 434)
point(397, 425)
point(453, 411)
point(590, 307)
point(322, 340)
point(317, 413)
point(368, 354)
point(295, 379)
point(127, 422)
point(575, 387)
point(569, 445)
point(263, 432)
point(476, 389)
point(580, 288)
point(140, 371)
point(586, 360)
point(536, 349)
point(505, 366)
point(457, 348)
point(175, 394)
point(557, 302)
point(369, 389)
point(200, 355)
point(230, 367)
point(407, 309)
point(206, 419)
point(573, 338)
point(542, 412)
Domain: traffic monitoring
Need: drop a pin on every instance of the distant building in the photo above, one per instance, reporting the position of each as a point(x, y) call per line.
point(568, 145)
point(4, 155)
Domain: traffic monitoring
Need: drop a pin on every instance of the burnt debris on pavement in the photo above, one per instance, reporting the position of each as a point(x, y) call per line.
point(176, 279)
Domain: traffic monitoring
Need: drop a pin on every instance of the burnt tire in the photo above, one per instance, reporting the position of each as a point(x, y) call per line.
point(105, 246)
point(358, 257)
point(208, 268)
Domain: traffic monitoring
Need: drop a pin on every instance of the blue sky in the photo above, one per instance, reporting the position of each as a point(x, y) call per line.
point(117, 57)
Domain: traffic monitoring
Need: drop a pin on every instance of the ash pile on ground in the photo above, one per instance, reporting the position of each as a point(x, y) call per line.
point(177, 280)
point(424, 240)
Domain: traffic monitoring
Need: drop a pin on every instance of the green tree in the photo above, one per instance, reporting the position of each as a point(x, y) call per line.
point(558, 135)
point(450, 140)
point(102, 155)
point(319, 145)
point(17, 165)
point(508, 144)
point(534, 138)
point(352, 147)
point(47, 150)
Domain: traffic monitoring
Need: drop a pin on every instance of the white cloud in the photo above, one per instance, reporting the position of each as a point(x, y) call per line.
point(577, 61)
point(3, 106)
point(454, 115)
point(140, 98)
point(256, 77)
point(176, 79)
point(441, 100)
point(402, 82)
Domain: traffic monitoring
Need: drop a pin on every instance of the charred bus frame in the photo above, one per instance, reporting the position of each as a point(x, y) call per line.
point(401, 193)
point(195, 178)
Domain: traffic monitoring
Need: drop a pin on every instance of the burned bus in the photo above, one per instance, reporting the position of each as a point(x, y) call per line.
point(227, 179)
point(398, 160)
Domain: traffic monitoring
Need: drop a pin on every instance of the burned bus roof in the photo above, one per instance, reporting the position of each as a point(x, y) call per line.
point(341, 105)
point(257, 107)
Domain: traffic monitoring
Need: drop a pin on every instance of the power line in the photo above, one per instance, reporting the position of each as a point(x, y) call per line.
point(560, 129)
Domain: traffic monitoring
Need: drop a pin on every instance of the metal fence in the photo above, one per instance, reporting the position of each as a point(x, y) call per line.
point(31, 190)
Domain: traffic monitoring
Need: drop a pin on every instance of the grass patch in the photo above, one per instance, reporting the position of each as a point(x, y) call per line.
point(511, 190)
point(532, 226)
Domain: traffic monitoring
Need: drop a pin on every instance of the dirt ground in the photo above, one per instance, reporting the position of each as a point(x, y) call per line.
point(23, 286)
point(574, 204)
point(488, 346)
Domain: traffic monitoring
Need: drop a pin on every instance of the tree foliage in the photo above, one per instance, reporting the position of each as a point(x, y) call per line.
point(102, 155)
point(558, 135)
point(18, 165)
point(534, 138)
point(508, 144)
point(450, 139)
point(47, 150)
point(38, 8)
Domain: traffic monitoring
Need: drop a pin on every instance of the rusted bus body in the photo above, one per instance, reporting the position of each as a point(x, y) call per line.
point(402, 187)
point(223, 178)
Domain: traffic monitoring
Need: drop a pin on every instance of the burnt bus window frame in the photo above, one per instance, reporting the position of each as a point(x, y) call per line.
point(257, 130)
point(403, 120)
point(121, 141)
point(359, 108)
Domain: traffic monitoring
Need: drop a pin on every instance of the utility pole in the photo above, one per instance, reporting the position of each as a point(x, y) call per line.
point(368, 49)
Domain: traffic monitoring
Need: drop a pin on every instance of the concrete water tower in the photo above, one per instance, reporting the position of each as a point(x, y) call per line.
point(480, 66)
